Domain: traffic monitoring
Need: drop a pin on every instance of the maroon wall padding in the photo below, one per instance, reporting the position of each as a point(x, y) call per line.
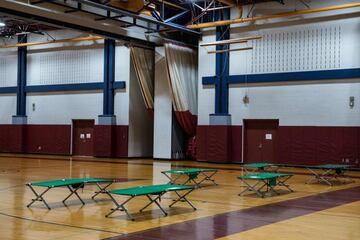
point(104, 140)
point(296, 144)
point(121, 141)
point(218, 143)
point(201, 142)
point(110, 141)
point(49, 139)
point(11, 138)
point(236, 143)
point(319, 145)
point(358, 148)
point(284, 144)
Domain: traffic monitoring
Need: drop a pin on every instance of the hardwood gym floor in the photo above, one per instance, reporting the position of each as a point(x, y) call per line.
point(313, 211)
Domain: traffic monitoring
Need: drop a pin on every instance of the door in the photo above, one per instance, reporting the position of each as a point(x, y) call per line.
point(260, 140)
point(83, 132)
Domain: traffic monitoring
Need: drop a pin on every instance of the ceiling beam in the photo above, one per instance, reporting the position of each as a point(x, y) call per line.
point(278, 15)
point(140, 17)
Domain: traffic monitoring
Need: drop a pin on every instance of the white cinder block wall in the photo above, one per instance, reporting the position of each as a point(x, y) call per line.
point(74, 63)
point(8, 78)
point(322, 44)
point(68, 64)
point(122, 73)
point(162, 108)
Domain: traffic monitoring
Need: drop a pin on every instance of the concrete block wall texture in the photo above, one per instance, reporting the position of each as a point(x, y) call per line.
point(50, 114)
point(311, 113)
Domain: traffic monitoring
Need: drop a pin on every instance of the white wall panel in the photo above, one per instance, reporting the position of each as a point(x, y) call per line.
point(206, 95)
point(7, 108)
point(65, 66)
point(8, 68)
point(162, 109)
point(298, 105)
point(61, 108)
point(318, 46)
point(321, 41)
point(122, 73)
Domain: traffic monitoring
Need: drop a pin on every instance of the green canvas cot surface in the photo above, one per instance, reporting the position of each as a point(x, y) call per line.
point(151, 189)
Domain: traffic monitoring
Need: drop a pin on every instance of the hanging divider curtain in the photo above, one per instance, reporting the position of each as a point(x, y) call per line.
point(143, 61)
point(182, 68)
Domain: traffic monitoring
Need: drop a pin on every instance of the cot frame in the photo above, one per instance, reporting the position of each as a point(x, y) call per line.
point(329, 173)
point(265, 182)
point(207, 175)
point(154, 197)
point(259, 167)
point(73, 188)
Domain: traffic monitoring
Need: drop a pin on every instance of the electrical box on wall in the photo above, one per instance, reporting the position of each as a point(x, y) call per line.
point(352, 102)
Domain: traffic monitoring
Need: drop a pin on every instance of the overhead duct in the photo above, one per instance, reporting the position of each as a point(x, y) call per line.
point(278, 15)
point(146, 19)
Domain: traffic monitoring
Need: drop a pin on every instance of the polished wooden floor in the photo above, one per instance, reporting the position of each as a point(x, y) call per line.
point(88, 222)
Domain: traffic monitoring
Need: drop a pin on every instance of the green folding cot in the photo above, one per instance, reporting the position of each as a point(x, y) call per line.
point(327, 173)
point(259, 167)
point(269, 181)
point(192, 174)
point(73, 184)
point(153, 193)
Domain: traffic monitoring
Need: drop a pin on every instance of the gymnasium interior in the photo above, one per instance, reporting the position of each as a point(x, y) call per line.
point(179, 119)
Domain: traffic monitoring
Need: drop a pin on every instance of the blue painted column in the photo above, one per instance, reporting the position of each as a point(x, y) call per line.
point(108, 117)
point(221, 116)
point(222, 67)
point(20, 117)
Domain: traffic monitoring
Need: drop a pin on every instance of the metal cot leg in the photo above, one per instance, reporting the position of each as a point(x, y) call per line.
point(318, 177)
point(151, 202)
point(281, 182)
point(74, 191)
point(156, 202)
point(249, 187)
point(39, 197)
point(183, 197)
point(208, 178)
point(101, 189)
point(172, 180)
point(120, 207)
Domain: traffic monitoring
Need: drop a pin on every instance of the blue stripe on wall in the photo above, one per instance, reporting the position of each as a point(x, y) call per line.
point(208, 80)
point(62, 87)
point(119, 85)
point(5, 90)
point(290, 76)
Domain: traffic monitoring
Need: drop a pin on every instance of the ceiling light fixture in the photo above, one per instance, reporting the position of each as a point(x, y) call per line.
point(2, 24)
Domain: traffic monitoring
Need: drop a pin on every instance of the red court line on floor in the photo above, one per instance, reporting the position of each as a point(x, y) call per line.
point(225, 224)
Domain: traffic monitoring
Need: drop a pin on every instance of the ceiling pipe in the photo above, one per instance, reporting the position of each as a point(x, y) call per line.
point(231, 41)
point(140, 17)
point(278, 15)
point(79, 39)
point(230, 50)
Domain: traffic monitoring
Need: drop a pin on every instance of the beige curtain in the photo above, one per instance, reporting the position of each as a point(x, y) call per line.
point(143, 61)
point(183, 80)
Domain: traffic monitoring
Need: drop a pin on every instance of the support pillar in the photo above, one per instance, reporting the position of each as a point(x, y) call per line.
point(20, 118)
point(219, 132)
point(104, 132)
